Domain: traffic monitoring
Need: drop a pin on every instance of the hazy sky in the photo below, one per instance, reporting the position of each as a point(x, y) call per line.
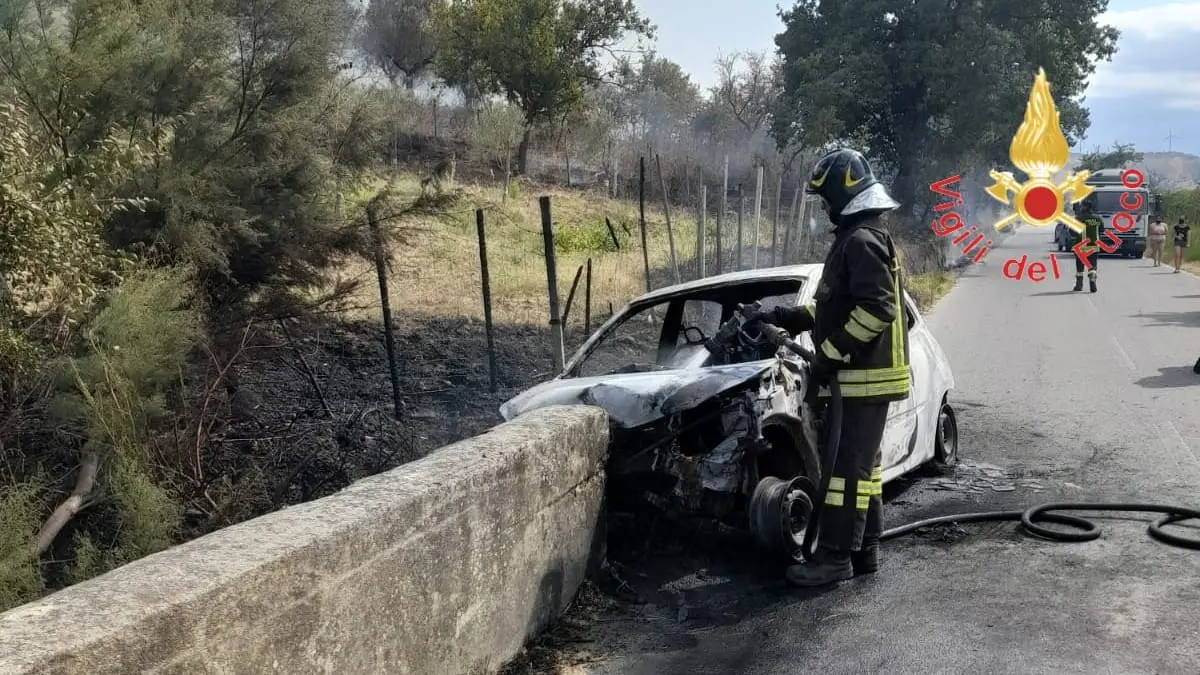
point(1150, 90)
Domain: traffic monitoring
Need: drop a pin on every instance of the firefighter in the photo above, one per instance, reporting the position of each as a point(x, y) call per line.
point(1093, 227)
point(858, 324)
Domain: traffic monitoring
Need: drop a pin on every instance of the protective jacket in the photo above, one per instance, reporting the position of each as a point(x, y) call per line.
point(857, 317)
point(1093, 228)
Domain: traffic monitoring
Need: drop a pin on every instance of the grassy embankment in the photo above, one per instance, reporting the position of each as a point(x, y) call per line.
point(436, 257)
point(930, 287)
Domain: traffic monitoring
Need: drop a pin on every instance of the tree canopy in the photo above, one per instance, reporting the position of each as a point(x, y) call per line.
point(546, 70)
point(397, 36)
point(932, 86)
point(1117, 157)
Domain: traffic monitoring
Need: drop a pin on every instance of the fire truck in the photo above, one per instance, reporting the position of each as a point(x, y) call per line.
point(1107, 198)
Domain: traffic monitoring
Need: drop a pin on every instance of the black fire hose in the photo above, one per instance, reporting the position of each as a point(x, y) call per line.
point(1030, 519)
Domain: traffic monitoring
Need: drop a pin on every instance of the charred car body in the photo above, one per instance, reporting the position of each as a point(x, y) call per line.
point(730, 436)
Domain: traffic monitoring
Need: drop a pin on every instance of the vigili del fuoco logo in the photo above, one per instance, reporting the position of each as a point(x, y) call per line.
point(1040, 150)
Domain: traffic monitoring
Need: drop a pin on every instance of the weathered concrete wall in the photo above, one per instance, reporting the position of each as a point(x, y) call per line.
point(441, 566)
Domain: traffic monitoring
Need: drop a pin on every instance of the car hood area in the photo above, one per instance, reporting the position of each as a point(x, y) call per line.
point(634, 399)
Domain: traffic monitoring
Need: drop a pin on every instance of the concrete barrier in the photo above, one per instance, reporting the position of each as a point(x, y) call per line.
point(442, 566)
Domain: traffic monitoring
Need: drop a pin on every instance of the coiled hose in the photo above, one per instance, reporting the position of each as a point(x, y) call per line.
point(1031, 519)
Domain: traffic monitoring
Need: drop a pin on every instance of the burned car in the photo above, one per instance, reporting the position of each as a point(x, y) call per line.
point(730, 437)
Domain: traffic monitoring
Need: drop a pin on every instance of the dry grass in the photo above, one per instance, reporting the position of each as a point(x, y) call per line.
point(436, 267)
point(930, 287)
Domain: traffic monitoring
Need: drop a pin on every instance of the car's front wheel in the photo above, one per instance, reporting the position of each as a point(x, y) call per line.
point(945, 444)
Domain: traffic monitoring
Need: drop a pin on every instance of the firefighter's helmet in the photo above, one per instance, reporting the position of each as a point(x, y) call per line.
point(843, 179)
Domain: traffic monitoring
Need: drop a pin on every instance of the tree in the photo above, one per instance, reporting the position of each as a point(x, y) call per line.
point(1120, 156)
point(539, 54)
point(654, 98)
point(747, 85)
point(744, 102)
point(396, 36)
point(929, 85)
point(496, 134)
point(238, 98)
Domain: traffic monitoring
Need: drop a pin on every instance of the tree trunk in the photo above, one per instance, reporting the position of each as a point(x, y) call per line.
point(523, 152)
point(88, 468)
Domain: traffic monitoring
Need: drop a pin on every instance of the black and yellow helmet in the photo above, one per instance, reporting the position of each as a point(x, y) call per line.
point(844, 180)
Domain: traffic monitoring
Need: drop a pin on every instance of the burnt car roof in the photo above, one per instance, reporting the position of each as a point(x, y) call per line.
point(634, 399)
point(730, 279)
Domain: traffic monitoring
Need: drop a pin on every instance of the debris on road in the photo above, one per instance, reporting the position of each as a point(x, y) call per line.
point(977, 478)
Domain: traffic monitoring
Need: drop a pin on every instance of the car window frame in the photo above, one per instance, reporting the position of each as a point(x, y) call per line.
point(807, 280)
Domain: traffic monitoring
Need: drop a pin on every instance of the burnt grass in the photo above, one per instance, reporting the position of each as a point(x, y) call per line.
point(283, 442)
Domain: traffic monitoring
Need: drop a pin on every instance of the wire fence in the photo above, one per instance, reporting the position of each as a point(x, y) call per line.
point(490, 264)
point(600, 261)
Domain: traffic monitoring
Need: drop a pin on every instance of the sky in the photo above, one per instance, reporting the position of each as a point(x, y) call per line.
point(1148, 92)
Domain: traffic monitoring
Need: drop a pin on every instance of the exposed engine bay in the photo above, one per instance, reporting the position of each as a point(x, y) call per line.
point(696, 430)
point(710, 460)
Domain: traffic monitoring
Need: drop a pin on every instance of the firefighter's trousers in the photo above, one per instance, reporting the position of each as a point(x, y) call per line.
point(1080, 268)
point(852, 516)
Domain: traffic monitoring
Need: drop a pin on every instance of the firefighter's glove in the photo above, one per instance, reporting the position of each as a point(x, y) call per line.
point(754, 312)
point(824, 368)
point(724, 338)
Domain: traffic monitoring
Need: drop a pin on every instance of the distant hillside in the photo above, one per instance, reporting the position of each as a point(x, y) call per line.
point(1170, 170)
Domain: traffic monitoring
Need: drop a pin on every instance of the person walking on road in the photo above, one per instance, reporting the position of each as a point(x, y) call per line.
point(1087, 250)
point(1158, 240)
point(1182, 238)
point(858, 324)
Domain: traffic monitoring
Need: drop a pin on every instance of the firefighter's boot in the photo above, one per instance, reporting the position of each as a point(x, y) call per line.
point(865, 561)
point(1092, 283)
point(1078, 284)
point(827, 567)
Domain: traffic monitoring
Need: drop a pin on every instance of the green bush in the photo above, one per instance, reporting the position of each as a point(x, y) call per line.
point(113, 398)
point(514, 189)
point(20, 516)
point(590, 238)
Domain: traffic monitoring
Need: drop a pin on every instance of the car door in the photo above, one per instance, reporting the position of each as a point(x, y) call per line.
point(900, 437)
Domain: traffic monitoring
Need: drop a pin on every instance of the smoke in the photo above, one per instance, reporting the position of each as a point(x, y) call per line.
point(978, 209)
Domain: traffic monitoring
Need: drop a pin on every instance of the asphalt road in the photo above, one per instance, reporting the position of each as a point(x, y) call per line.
point(1060, 396)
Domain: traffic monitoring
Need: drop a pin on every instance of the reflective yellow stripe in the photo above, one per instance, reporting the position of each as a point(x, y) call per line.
point(875, 389)
point(834, 498)
point(870, 488)
point(898, 335)
point(812, 309)
point(836, 483)
point(831, 351)
point(868, 320)
point(859, 376)
point(862, 502)
point(877, 481)
point(855, 330)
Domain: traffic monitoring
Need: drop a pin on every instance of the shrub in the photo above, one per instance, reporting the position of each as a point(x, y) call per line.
point(113, 396)
point(588, 238)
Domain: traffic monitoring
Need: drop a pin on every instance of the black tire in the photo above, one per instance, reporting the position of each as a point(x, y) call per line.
point(945, 443)
point(1140, 254)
